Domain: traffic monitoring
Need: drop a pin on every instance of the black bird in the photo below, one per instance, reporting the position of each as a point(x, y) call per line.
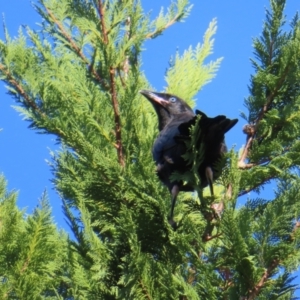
point(175, 118)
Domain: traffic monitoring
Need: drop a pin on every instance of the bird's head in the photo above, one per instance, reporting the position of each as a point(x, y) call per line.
point(167, 106)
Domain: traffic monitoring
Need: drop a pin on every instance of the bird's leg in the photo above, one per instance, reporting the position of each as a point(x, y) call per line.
point(209, 177)
point(159, 167)
point(174, 193)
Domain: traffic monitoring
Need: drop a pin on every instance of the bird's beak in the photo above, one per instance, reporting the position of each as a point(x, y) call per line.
point(154, 97)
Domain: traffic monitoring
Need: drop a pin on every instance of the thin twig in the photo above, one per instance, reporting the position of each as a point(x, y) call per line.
point(115, 104)
point(101, 14)
point(228, 194)
point(295, 229)
point(262, 162)
point(30, 102)
point(20, 90)
point(25, 265)
point(244, 192)
point(209, 238)
point(271, 97)
point(251, 134)
point(241, 162)
point(145, 290)
point(97, 76)
point(117, 117)
point(121, 78)
point(267, 273)
point(77, 50)
point(226, 276)
point(174, 20)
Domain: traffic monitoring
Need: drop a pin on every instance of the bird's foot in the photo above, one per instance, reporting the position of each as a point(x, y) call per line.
point(168, 159)
point(218, 209)
point(173, 224)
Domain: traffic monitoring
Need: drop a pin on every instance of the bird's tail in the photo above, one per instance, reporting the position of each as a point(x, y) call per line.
point(210, 134)
point(211, 128)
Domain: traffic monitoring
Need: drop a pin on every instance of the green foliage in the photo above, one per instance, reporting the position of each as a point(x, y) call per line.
point(32, 251)
point(188, 73)
point(274, 100)
point(79, 78)
point(177, 11)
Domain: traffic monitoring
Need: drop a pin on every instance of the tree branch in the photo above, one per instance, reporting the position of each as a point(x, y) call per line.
point(211, 218)
point(115, 104)
point(242, 193)
point(121, 78)
point(295, 229)
point(244, 156)
point(25, 265)
point(226, 275)
point(76, 49)
point(145, 290)
point(251, 129)
point(117, 117)
point(253, 293)
point(30, 102)
point(90, 66)
point(209, 238)
point(20, 90)
point(170, 23)
point(271, 97)
point(101, 14)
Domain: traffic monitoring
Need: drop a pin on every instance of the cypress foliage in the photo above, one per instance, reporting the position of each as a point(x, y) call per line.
point(78, 78)
point(32, 251)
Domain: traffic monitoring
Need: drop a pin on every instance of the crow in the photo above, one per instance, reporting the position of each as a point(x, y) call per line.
point(175, 117)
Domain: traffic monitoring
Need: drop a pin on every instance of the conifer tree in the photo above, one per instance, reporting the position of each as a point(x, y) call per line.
point(32, 251)
point(79, 78)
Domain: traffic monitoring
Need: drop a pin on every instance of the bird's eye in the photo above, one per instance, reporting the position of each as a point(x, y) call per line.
point(173, 99)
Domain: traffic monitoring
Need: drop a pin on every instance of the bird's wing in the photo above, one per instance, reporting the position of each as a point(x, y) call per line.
point(165, 144)
point(168, 146)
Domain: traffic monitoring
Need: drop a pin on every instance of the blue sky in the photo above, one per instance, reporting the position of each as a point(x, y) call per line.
point(24, 152)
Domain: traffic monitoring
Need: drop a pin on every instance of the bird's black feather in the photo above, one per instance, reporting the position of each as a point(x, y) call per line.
point(175, 119)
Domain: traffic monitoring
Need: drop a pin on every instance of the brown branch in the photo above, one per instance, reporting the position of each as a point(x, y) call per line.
point(254, 293)
point(20, 90)
point(251, 130)
point(226, 276)
point(295, 229)
point(271, 97)
point(117, 117)
point(242, 193)
point(90, 66)
point(241, 162)
point(25, 265)
point(170, 23)
point(76, 48)
point(228, 193)
point(145, 290)
point(210, 218)
point(101, 13)
point(115, 104)
point(121, 78)
point(267, 273)
point(209, 238)
point(264, 161)
point(30, 102)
